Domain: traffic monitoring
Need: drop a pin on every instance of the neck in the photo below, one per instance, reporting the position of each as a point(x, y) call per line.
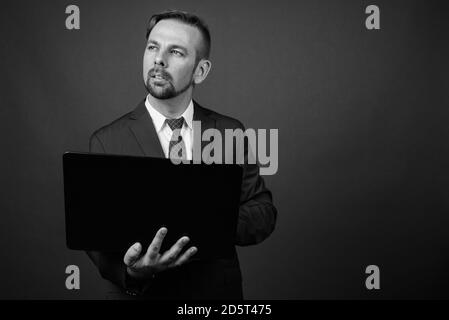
point(174, 107)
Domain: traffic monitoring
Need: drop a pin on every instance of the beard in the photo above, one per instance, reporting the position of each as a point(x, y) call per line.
point(166, 89)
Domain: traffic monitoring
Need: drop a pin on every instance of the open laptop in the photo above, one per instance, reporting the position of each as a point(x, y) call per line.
point(113, 201)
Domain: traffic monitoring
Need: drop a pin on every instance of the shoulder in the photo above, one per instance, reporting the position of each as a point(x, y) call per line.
point(221, 120)
point(121, 124)
point(114, 127)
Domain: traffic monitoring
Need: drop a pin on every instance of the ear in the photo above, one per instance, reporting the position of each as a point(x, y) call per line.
point(202, 70)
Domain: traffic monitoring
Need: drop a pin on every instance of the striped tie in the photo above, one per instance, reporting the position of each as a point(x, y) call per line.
point(176, 147)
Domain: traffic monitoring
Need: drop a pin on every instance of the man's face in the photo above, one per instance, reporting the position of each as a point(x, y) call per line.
point(169, 59)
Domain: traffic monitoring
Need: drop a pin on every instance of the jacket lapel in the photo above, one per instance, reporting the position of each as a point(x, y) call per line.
point(146, 136)
point(201, 114)
point(144, 132)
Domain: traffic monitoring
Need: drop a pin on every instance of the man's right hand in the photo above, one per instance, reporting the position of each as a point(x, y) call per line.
point(145, 266)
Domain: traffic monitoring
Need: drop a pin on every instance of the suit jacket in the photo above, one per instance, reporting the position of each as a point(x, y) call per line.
point(134, 134)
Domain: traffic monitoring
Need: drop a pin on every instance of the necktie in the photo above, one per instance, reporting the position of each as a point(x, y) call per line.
point(176, 147)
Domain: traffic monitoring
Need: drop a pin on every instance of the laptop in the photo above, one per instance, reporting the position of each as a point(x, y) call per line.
point(114, 201)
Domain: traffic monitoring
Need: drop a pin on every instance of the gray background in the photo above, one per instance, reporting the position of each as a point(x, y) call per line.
point(363, 136)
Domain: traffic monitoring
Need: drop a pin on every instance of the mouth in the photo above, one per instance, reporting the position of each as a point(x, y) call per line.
point(159, 74)
point(158, 77)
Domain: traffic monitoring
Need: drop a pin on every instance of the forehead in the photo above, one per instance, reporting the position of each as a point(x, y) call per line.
point(173, 32)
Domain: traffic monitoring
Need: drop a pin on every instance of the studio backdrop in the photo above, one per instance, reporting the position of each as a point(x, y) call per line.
point(361, 107)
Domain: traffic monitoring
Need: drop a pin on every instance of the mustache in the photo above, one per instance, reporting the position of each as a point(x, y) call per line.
point(161, 72)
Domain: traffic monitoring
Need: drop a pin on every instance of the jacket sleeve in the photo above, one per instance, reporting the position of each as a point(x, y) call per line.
point(110, 264)
point(257, 214)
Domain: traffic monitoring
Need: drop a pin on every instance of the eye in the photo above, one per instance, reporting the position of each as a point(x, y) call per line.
point(177, 52)
point(152, 47)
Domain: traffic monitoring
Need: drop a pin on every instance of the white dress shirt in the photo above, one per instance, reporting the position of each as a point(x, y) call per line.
point(165, 133)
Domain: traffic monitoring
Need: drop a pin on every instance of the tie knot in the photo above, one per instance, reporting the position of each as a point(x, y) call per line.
point(175, 123)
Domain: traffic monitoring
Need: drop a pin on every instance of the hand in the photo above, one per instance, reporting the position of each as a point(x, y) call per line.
point(152, 261)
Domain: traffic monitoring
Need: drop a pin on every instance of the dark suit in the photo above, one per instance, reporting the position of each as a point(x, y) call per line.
point(134, 134)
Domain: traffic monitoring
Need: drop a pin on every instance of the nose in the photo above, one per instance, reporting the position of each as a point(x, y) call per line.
point(160, 59)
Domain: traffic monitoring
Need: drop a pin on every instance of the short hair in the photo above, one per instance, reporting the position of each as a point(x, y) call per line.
point(189, 19)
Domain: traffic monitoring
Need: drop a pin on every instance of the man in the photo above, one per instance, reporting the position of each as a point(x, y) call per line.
point(176, 59)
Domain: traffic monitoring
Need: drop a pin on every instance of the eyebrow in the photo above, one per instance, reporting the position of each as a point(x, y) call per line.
point(171, 46)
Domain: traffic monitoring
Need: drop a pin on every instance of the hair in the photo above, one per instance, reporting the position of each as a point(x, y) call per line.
point(189, 19)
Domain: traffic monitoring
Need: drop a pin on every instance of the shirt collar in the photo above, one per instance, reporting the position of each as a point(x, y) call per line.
point(159, 118)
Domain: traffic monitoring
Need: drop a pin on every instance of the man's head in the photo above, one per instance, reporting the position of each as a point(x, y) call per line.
point(176, 55)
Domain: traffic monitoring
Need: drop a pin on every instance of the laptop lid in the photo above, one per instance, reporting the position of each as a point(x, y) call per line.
point(113, 201)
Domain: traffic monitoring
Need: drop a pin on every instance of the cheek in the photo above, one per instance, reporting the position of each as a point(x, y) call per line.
point(186, 73)
point(147, 63)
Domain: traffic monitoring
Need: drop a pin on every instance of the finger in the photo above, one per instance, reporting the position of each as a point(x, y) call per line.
point(155, 246)
point(185, 257)
point(171, 255)
point(133, 254)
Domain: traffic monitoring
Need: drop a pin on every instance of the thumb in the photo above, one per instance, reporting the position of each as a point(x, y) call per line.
point(133, 254)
